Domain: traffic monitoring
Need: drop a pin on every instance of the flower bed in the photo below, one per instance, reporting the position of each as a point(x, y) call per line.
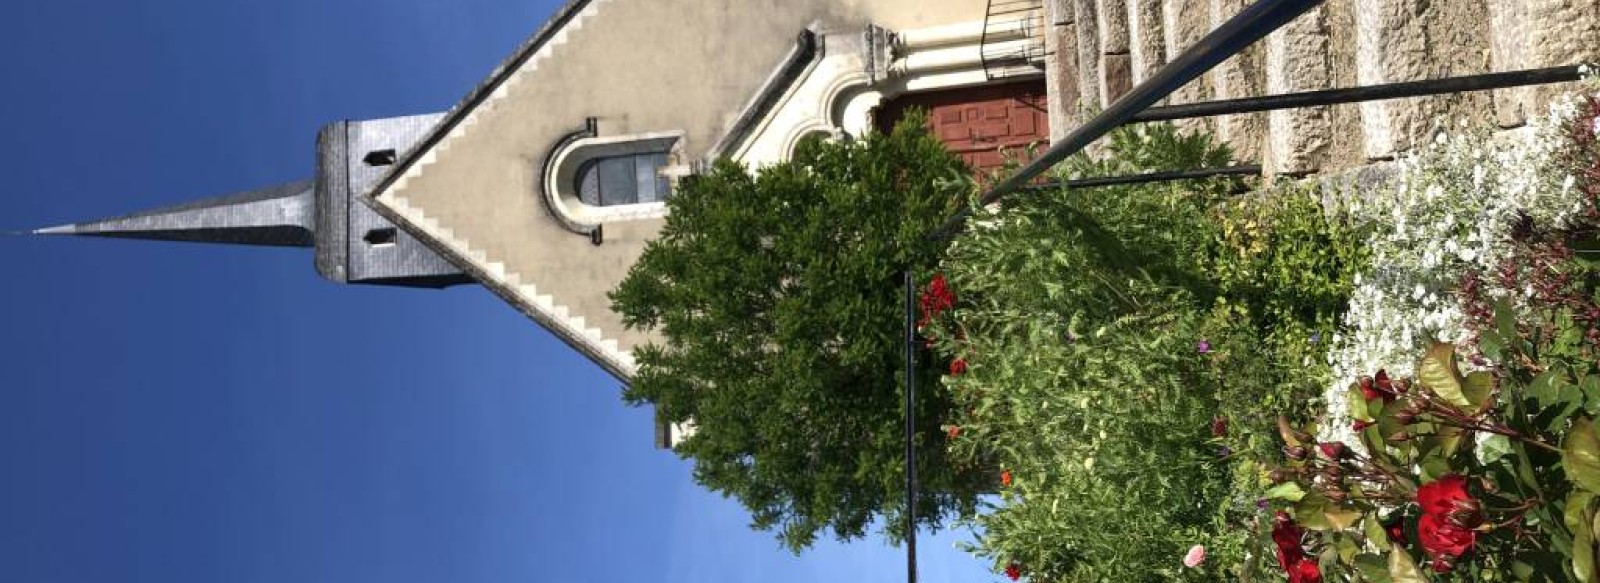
point(1136, 361)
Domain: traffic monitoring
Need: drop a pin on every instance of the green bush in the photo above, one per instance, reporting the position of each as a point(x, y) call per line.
point(1104, 332)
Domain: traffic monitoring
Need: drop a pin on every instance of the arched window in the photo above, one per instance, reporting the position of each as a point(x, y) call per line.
point(595, 180)
point(626, 179)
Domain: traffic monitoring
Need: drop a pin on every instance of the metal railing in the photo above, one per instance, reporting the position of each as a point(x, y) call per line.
point(1012, 43)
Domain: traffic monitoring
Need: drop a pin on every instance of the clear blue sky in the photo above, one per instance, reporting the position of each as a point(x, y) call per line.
point(186, 413)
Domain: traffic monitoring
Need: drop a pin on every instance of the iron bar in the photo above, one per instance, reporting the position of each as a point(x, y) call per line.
point(1359, 94)
point(911, 425)
point(1166, 176)
point(1248, 26)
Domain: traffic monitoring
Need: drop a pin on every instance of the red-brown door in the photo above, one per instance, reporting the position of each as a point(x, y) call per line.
point(983, 124)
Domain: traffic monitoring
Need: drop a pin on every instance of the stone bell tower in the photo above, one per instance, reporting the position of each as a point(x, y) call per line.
point(352, 243)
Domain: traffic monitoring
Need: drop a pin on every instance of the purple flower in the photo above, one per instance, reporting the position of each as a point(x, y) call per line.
point(1225, 451)
point(1202, 346)
point(1261, 503)
point(1316, 337)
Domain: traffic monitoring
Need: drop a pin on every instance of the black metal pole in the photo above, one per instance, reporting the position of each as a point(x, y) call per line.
point(1248, 26)
point(911, 425)
point(1359, 94)
point(1240, 170)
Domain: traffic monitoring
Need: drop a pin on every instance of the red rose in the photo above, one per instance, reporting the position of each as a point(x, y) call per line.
point(936, 298)
point(1014, 571)
point(1219, 426)
point(1285, 533)
point(1333, 450)
point(958, 366)
point(1005, 477)
point(1384, 385)
point(1377, 387)
point(1367, 390)
point(1440, 496)
point(1305, 571)
point(1287, 559)
point(1291, 557)
point(1442, 541)
point(954, 431)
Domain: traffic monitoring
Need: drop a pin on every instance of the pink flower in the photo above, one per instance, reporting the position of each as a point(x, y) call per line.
point(1197, 555)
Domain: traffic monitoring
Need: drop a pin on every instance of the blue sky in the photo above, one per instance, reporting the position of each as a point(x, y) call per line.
point(175, 412)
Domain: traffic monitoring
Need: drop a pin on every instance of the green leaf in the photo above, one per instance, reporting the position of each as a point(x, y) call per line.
point(1373, 568)
point(1341, 517)
point(1491, 345)
point(1375, 533)
point(1580, 456)
point(1438, 371)
point(1479, 386)
point(1312, 510)
point(1547, 389)
point(1493, 447)
point(1402, 569)
point(1358, 403)
point(1505, 320)
point(1578, 519)
point(1286, 491)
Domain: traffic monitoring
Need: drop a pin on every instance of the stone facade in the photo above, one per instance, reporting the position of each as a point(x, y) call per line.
point(1342, 43)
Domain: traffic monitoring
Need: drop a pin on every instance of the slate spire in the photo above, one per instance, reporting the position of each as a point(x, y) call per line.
point(282, 216)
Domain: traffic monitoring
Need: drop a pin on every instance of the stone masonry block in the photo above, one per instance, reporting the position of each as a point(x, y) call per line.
point(1297, 60)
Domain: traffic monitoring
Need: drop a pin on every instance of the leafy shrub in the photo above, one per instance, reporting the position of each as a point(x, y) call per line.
point(1124, 353)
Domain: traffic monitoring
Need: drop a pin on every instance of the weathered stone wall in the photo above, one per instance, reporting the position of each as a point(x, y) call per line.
point(1105, 47)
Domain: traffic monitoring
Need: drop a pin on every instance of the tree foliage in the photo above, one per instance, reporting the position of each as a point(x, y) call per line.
point(778, 298)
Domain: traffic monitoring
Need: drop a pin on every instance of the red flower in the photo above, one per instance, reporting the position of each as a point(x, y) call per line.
point(1440, 496)
point(1378, 387)
point(1219, 426)
point(1333, 450)
point(1286, 536)
point(958, 366)
point(1014, 571)
point(1443, 541)
point(954, 431)
point(936, 298)
point(1305, 571)
point(1359, 425)
point(1448, 512)
point(1005, 477)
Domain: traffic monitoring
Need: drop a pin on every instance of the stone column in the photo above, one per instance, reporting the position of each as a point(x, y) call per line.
point(1146, 44)
point(1116, 66)
point(1561, 32)
point(1088, 55)
point(1297, 60)
point(1239, 76)
point(1061, 74)
point(1508, 51)
point(1406, 40)
point(1183, 23)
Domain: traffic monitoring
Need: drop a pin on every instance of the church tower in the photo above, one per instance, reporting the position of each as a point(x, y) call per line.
point(351, 242)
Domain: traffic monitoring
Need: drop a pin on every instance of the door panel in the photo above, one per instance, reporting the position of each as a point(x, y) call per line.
point(982, 124)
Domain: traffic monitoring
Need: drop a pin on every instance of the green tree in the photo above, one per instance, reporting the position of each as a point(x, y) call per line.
point(778, 296)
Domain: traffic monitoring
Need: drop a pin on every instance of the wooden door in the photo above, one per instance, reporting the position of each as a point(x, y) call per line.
point(983, 124)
